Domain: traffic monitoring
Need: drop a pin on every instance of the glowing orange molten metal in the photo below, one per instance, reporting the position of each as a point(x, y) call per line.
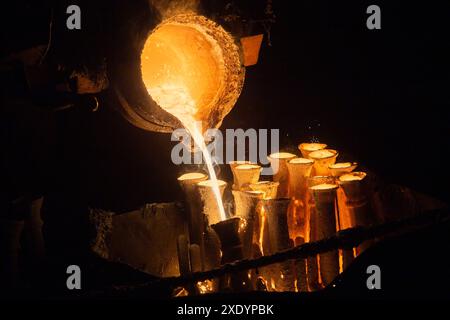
point(191, 69)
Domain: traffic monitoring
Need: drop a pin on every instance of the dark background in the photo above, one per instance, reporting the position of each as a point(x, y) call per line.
point(380, 97)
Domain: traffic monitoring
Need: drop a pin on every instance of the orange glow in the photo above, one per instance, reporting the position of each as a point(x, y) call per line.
point(182, 56)
point(324, 186)
point(322, 160)
point(322, 154)
point(269, 188)
point(301, 161)
point(246, 174)
point(341, 165)
point(272, 284)
point(282, 155)
point(191, 56)
point(189, 65)
point(307, 148)
point(296, 219)
point(217, 187)
point(262, 215)
point(251, 46)
point(354, 176)
point(318, 269)
point(205, 286)
point(192, 176)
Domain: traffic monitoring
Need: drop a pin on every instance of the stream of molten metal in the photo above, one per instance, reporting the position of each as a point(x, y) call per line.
point(176, 100)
